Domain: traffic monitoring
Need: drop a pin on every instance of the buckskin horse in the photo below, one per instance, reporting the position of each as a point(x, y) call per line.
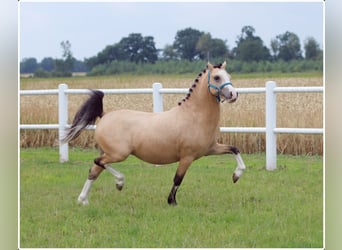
point(182, 134)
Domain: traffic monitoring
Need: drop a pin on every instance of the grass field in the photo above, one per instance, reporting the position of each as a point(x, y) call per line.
point(303, 110)
point(282, 208)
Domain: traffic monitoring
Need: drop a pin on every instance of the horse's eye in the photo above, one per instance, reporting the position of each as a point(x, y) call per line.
point(216, 78)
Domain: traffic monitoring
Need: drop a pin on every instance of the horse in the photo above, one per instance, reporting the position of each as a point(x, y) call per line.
point(182, 134)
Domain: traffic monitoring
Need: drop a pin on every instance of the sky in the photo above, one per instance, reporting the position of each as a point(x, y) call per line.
point(91, 26)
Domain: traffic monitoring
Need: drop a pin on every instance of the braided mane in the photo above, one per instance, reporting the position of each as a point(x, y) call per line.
point(195, 83)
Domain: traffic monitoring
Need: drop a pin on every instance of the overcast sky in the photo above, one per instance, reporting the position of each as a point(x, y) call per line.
point(90, 26)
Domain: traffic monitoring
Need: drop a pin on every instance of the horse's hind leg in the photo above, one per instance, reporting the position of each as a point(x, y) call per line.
point(120, 178)
point(103, 161)
point(94, 172)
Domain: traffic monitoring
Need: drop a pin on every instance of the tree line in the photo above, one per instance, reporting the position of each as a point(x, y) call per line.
point(139, 53)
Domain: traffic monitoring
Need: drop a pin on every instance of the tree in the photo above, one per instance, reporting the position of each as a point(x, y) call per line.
point(131, 47)
point(66, 46)
point(214, 48)
point(169, 53)
point(137, 48)
point(67, 56)
point(64, 67)
point(246, 32)
point(312, 50)
point(185, 43)
point(149, 52)
point(61, 69)
point(250, 47)
point(286, 46)
point(47, 64)
point(28, 65)
point(79, 66)
point(134, 48)
point(106, 56)
point(275, 48)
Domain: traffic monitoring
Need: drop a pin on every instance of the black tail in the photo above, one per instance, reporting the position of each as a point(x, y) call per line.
point(86, 115)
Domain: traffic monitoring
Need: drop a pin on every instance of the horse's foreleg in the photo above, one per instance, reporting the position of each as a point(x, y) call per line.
point(226, 149)
point(94, 172)
point(239, 169)
point(183, 166)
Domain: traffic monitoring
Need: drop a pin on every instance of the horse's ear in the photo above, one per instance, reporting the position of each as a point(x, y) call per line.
point(224, 65)
point(210, 66)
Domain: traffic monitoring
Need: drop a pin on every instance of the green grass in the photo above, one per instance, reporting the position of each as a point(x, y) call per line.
point(282, 208)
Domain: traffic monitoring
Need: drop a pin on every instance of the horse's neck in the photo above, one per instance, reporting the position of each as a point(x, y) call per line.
point(201, 103)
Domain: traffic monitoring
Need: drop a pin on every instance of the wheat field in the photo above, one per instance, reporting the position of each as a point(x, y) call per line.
point(303, 110)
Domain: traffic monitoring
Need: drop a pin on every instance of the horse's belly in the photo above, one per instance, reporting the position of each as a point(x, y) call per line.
point(156, 159)
point(156, 152)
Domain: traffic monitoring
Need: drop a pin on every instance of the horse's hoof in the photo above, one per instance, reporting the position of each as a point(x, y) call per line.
point(235, 178)
point(174, 203)
point(83, 201)
point(171, 201)
point(119, 186)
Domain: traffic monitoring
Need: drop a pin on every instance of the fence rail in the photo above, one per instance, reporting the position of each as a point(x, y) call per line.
point(158, 91)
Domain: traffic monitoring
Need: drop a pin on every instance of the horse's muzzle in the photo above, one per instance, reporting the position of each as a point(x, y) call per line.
point(229, 93)
point(233, 99)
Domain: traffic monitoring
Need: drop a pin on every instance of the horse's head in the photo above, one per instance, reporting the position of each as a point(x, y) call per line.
point(219, 84)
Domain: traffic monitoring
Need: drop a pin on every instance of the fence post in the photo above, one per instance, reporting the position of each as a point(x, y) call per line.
point(271, 120)
point(62, 121)
point(157, 97)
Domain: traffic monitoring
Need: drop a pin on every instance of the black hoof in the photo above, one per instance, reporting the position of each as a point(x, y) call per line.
point(235, 178)
point(171, 201)
point(119, 187)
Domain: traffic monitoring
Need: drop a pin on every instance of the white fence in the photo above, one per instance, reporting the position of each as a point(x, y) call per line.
point(157, 92)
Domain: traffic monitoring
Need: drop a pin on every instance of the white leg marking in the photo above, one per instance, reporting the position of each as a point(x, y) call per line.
point(83, 197)
point(240, 167)
point(120, 178)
